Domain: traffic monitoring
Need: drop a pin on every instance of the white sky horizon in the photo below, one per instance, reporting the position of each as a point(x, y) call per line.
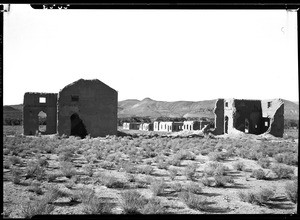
point(166, 55)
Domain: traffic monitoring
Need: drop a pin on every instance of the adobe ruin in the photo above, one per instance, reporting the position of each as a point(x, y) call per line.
point(191, 125)
point(132, 125)
point(87, 107)
point(249, 116)
point(203, 124)
point(81, 108)
point(33, 104)
point(146, 127)
point(177, 126)
point(126, 125)
point(156, 126)
point(169, 126)
point(165, 126)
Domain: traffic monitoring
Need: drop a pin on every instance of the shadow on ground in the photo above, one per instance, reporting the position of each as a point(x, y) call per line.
point(278, 205)
point(237, 186)
point(210, 194)
point(280, 199)
point(216, 210)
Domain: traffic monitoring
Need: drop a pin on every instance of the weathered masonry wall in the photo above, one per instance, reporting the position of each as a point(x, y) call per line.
point(32, 105)
point(87, 105)
point(219, 117)
point(249, 116)
point(274, 110)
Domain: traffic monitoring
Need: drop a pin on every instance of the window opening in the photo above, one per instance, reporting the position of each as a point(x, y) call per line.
point(75, 98)
point(266, 124)
point(42, 100)
point(246, 125)
point(42, 121)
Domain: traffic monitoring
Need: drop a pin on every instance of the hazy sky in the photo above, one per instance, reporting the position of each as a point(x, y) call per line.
point(167, 55)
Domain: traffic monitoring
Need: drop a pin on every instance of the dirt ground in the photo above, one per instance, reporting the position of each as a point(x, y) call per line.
point(219, 200)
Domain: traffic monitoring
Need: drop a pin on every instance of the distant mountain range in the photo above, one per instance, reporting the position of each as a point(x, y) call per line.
point(154, 109)
point(13, 111)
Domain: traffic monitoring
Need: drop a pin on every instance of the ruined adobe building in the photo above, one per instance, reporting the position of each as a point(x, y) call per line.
point(87, 105)
point(191, 125)
point(156, 126)
point(249, 116)
point(126, 125)
point(203, 124)
point(132, 125)
point(83, 107)
point(169, 126)
point(177, 126)
point(165, 126)
point(146, 127)
point(33, 104)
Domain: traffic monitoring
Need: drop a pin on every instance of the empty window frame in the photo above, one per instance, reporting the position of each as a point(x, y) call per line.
point(42, 100)
point(269, 104)
point(75, 98)
point(266, 123)
point(226, 104)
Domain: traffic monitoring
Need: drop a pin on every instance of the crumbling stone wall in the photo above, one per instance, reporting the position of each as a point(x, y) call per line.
point(32, 105)
point(274, 110)
point(246, 112)
point(219, 117)
point(229, 115)
point(249, 116)
point(93, 103)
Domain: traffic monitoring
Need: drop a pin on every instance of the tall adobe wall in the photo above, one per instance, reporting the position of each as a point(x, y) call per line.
point(32, 105)
point(274, 109)
point(219, 117)
point(91, 103)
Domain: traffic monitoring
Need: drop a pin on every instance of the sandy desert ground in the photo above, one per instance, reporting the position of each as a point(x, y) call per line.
point(148, 174)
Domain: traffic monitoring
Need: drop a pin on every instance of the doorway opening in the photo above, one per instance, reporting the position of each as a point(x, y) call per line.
point(77, 126)
point(42, 121)
point(246, 126)
point(226, 124)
